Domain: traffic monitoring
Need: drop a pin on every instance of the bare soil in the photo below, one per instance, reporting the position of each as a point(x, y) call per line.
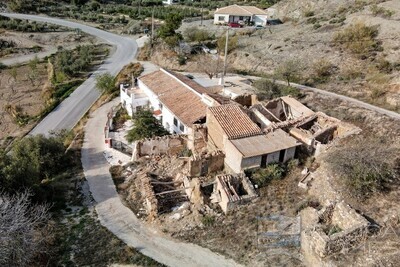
point(20, 92)
point(23, 98)
point(49, 41)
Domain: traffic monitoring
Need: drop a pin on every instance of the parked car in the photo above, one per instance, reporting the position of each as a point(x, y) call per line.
point(258, 27)
point(234, 25)
point(274, 21)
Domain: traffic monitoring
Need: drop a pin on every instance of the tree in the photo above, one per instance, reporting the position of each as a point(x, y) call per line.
point(24, 229)
point(289, 70)
point(145, 125)
point(266, 89)
point(167, 31)
point(105, 83)
point(34, 163)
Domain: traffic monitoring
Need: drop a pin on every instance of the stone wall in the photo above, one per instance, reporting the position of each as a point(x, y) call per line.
point(151, 202)
point(353, 229)
point(169, 144)
point(231, 191)
point(197, 138)
point(211, 162)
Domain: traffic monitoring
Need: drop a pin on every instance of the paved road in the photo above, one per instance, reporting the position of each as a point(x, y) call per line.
point(71, 110)
point(120, 220)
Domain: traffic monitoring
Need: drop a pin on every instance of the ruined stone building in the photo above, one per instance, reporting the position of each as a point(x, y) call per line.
point(215, 139)
point(246, 146)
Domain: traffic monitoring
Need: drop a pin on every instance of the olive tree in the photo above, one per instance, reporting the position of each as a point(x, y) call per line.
point(105, 83)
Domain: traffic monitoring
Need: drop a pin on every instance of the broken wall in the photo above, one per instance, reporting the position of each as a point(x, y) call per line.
point(151, 202)
point(168, 144)
point(231, 191)
point(197, 138)
point(211, 162)
point(353, 229)
point(246, 100)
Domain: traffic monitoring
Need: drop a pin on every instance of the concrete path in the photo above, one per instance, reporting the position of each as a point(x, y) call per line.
point(120, 220)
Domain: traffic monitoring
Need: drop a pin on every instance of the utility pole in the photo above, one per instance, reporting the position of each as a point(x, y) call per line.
point(222, 82)
point(139, 8)
point(201, 2)
point(152, 28)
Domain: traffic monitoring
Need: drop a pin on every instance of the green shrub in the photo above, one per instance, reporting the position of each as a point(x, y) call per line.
point(264, 176)
point(309, 13)
point(195, 34)
point(208, 220)
point(289, 90)
point(381, 11)
point(2, 66)
point(292, 164)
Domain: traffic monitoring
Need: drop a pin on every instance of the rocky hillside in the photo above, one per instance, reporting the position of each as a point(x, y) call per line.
point(351, 47)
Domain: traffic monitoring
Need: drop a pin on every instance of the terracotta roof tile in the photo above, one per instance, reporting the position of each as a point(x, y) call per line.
point(234, 121)
point(184, 103)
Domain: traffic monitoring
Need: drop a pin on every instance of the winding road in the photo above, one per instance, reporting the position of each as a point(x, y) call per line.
point(71, 110)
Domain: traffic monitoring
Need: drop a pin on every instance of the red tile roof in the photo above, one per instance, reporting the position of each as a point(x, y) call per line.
point(183, 102)
point(234, 121)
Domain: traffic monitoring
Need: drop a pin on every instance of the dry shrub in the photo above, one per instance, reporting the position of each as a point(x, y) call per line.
point(348, 73)
point(381, 11)
point(132, 69)
point(144, 52)
point(322, 70)
point(366, 165)
point(359, 39)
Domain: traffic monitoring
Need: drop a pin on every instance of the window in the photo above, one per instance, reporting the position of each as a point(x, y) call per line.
point(175, 122)
point(221, 18)
point(240, 17)
point(160, 106)
point(182, 127)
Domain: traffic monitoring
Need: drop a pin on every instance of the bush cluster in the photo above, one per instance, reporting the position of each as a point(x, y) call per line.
point(27, 26)
point(365, 166)
point(267, 89)
point(263, 176)
point(359, 39)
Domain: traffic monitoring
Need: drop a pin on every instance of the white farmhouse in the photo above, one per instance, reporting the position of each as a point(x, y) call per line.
point(245, 14)
point(170, 2)
point(177, 101)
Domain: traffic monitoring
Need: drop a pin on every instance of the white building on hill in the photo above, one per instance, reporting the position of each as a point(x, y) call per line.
point(240, 14)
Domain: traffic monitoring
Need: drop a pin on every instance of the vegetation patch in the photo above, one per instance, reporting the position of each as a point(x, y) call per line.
point(366, 166)
point(267, 89)
point(145, 125)
point(359, 39)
